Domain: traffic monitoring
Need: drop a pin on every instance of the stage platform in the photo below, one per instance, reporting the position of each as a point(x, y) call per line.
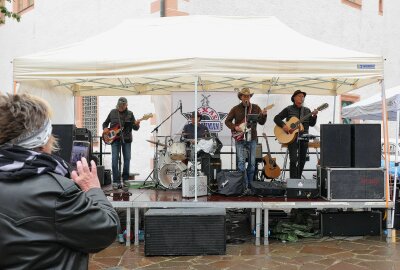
point(160, 198)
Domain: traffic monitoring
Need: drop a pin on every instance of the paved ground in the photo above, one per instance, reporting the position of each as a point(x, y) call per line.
point(353, 253)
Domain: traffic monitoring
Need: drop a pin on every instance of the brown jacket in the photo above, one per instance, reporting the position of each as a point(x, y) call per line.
point(236, 117)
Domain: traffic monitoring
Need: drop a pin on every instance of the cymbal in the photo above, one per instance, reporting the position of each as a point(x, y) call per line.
point(156, 143)
point(182, 134)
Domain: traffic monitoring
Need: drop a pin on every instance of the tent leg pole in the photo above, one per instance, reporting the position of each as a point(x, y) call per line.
point(334, 109)
point(195, 136)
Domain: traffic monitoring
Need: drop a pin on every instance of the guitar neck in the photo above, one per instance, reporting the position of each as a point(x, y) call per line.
point(266, 141)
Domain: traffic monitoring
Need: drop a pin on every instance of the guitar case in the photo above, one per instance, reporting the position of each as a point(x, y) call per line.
point(271, 189)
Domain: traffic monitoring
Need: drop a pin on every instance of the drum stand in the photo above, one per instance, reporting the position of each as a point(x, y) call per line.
point(154, 172)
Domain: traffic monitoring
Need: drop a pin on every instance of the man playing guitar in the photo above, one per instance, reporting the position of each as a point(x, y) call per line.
point(297, 148)
point(245, 132)
point(124, 118)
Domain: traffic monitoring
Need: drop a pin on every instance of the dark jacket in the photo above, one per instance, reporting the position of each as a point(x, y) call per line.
point(291, 111)
point(47, 222)
point(127, 121)
point(236, 117)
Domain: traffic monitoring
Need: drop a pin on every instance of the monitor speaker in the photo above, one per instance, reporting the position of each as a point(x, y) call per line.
point(366, 145)
point(335, 145)
point(64, 135)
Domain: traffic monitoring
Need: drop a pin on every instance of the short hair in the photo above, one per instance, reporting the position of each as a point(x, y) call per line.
point(20, 114)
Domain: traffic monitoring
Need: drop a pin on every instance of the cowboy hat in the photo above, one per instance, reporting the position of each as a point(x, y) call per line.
point(296, 93)
point(245, 91)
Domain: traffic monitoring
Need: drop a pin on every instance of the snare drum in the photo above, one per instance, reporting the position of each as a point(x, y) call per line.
point(207, 145)
point(177, 151)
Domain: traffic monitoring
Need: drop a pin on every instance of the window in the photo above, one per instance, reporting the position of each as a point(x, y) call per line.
point(90, 115)
point(353, 3)
point(20, 6)
point(380, 7)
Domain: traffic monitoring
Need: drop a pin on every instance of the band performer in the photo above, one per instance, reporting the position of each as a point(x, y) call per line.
point(188, 129)
point(121, 117)
point(298, 148)
point(245, 132)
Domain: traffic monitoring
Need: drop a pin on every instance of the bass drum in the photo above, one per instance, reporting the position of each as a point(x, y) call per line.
point(171, 175)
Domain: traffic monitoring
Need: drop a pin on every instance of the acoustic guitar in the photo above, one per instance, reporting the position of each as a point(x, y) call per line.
point(295, 125)
point(271, 169)
point(239, 135)
point(114, 133)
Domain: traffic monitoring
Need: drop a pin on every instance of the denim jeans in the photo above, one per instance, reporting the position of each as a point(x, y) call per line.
point(241, 147)
point(126, 152)
point(296, 163)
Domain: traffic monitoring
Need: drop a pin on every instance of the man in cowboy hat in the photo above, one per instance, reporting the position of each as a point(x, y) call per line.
point(297, 149)
point(245, 132)
point(122, 117)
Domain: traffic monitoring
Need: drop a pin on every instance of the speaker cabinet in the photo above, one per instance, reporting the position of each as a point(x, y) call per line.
point(353, 184)
point(64, 134)
point(185, 231)
point(335, 145)
point(366, 145)
point(351, 223)
point(82, 134)
point(100, 174)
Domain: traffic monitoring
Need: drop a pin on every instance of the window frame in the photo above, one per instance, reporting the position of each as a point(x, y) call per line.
point(26, 6)
point(353, 3)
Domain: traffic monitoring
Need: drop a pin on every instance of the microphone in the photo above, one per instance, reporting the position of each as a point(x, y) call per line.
point(246, 103)
point(180, 105)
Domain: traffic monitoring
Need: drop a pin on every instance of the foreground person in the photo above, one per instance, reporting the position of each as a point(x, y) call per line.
point(47, 220)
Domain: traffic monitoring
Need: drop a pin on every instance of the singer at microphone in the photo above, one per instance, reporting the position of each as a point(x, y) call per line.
point(245, 139)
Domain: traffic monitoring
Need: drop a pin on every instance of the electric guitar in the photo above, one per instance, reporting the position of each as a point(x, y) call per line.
point(271, 169)
point(295, 125)
point(113, 133)
point(239, 135)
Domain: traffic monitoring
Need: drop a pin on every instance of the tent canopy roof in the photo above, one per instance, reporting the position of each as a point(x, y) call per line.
point(371, 108)
point(159, 55)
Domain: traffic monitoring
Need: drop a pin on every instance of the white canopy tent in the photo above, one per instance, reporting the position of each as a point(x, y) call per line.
point(371, 108)
point(159, 55)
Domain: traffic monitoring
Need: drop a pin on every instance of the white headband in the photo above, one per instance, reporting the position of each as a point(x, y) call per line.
point(34, 138)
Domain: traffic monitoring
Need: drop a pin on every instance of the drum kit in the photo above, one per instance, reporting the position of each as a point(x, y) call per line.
point(176, 160)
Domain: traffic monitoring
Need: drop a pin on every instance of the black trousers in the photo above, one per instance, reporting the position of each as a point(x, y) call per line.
point(297, 163)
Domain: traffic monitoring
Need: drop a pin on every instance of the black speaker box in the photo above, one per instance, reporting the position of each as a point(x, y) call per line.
point(107, 177)
point(354, 184)
point(100, 174)
point(82, 134)
point(181, 231)
point(351, 223)
point(366, 145)
point(335, 145)
point(64, 134)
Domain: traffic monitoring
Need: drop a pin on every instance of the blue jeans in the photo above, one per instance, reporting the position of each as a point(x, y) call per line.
point(126, 152)
point(241, 147)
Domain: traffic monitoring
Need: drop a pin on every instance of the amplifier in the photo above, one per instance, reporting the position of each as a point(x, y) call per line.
point(352, 184)
point(185, 231)
point(351, 223)
point(188, 187)
point(302, 188)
